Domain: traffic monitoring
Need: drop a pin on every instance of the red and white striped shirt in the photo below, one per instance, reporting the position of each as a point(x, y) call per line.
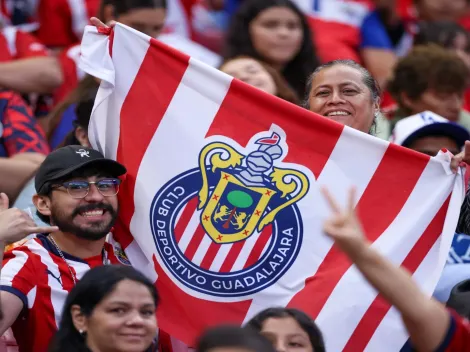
point(35, 273)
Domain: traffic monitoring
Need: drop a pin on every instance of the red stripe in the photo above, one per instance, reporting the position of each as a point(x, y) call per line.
point(379, 307)
point(169, 67)
point(232, 256)
point(65, 276)
point(255, 253)
point(25, 278)
point(195, 242)
point(177, 311)
point(183, 221)
point(386, 189)
point(311, 138)
point(210, 255)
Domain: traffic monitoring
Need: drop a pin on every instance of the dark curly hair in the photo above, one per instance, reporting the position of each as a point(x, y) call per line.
point(428, 67)
point(442, 33)
point(238, 41)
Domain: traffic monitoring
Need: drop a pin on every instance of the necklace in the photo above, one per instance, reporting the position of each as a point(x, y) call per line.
point(63, 258)
point(61, 254)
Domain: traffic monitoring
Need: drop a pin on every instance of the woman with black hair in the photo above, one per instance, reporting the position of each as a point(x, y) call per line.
point(288, 330)
point(276, 32)
point(112, 308)
point(232, 338)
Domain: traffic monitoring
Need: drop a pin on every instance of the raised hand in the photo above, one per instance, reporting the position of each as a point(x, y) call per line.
point(15, 224)
point(463, 156)
point(343, 226)
point(98, 23)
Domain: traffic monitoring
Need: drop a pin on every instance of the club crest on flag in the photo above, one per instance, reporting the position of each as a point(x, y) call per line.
point(231, 226)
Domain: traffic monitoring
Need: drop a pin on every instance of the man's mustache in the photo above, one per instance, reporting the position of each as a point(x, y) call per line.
point(91, 207)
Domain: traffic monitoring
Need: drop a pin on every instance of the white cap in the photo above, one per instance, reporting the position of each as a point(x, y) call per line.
point(427, 123)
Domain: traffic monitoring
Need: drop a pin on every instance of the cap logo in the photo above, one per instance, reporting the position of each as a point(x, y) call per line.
point(83, 153)
point(427, 118)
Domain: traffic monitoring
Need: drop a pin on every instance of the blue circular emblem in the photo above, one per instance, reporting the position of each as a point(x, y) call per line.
point(231, 214)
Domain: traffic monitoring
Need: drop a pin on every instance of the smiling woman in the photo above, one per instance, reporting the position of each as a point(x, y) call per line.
point(112, 308)
point(288, 330)
point(346, 92)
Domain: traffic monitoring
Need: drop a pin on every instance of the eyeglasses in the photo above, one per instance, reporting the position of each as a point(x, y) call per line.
point(108, 187)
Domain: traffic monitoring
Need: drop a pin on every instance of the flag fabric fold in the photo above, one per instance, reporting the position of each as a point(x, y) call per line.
point(221, 203)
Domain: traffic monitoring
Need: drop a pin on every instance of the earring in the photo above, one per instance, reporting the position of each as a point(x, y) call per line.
point(81, 332)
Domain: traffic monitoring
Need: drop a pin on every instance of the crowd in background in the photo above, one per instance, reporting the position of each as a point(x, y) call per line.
point(397, 69)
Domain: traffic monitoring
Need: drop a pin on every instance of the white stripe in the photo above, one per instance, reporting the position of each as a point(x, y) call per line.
point(189, 231)
point(79, 14)
point(394, 335)
point(167, 156)
point(245, 252)
point(353, 161)
point(352, 295)
point(13, 267)
point(31, 296)
point(220, 257)
point(428, 272)
point(104, 125)
point(10, 36)
point(202, 249)
point(58, 294)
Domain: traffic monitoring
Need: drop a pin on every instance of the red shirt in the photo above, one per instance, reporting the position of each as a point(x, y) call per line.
point(62, 22)
point(15, 44)
point(458, 336)
point(72, 74)
point(35, 273)
point(342, 20)
point(19, 130)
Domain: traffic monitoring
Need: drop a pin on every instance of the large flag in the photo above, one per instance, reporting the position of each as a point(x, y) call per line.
point(221, 204)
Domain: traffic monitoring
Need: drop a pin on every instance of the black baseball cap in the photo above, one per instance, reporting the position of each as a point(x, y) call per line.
point(64, 161)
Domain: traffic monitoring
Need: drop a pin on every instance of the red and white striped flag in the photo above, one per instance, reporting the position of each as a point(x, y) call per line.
point(222, 198)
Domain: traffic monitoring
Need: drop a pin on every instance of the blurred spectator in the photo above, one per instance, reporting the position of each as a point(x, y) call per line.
point(62, 22)
point(386, 34)
point(428, 133)
point(276, 32)
point(112, 308)
point(446, 34)
point(431, 78)
point(22, 144)
point(459, 299)
point(147, 16)
point(78, 136)
point(231, 339)
point(62, 118)
point(209, 21)
point(25, 65)
point(336, 25)
point(288, 329)
point(433, 10)
point(384, 37)
point(259, 75)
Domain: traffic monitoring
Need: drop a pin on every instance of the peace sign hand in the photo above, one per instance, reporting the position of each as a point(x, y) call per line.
point(343, 226)
point(15, 224)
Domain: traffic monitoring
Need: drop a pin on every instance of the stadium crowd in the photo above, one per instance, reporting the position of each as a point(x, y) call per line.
point(396, 69)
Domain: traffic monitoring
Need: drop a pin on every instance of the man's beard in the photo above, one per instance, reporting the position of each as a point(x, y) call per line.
point(94, 232)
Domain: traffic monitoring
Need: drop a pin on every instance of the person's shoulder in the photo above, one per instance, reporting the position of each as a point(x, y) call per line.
point(30, 245)
point(458, 334)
